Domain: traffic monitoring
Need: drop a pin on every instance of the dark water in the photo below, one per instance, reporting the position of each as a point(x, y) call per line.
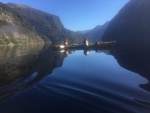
point(35, 79)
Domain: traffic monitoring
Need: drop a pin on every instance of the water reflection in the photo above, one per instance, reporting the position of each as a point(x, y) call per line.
point(21, 66)
point(137, 60)
point(92, 84)
point(86, 52)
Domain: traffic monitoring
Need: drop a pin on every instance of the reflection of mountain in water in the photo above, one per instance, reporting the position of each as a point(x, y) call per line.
point(136, 61)
point(21, 66)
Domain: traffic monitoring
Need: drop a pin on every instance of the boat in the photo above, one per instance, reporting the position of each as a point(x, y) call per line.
point(95, 46)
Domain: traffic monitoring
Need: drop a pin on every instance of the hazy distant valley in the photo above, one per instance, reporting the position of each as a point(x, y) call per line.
point(95, 34)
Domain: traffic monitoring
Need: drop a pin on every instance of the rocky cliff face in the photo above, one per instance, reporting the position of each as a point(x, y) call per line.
point(14, 29)
point(47, 24)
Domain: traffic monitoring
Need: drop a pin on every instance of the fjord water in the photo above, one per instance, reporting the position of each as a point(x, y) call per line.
point(35, 79)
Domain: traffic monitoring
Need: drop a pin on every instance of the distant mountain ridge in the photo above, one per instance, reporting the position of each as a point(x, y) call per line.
point(96, 33)
point(18, 5)
point(83, 32)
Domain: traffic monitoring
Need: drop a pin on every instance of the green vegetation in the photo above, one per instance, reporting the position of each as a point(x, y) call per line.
point(15, 29)
point(48, 25)
point(25, 25)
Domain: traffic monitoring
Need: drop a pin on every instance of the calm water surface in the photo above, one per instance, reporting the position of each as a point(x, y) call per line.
point(44, 81)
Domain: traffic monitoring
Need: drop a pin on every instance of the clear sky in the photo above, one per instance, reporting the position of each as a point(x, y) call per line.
point(77, 14)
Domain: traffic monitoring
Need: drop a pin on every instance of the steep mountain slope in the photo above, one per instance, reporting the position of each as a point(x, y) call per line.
point(131, 27)
point(97, 33)
point(47, 24)
point(14, 29)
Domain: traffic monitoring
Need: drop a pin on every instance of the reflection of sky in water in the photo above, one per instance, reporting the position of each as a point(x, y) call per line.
point(98, 65)
point(84, 83)
point(99, 71)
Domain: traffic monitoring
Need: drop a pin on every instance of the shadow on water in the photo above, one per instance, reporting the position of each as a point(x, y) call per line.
point(21, 66)
point(135, 58)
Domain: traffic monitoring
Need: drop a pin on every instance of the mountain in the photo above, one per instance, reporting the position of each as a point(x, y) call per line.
point(96, 33)
point(83, 32)
point(15, 30)
point(131, 27)
point(47, 24)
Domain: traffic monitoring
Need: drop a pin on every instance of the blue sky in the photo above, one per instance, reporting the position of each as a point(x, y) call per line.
point(77, 14)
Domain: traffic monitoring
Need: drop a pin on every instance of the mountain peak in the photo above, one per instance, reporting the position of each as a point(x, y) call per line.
point(14, 5)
